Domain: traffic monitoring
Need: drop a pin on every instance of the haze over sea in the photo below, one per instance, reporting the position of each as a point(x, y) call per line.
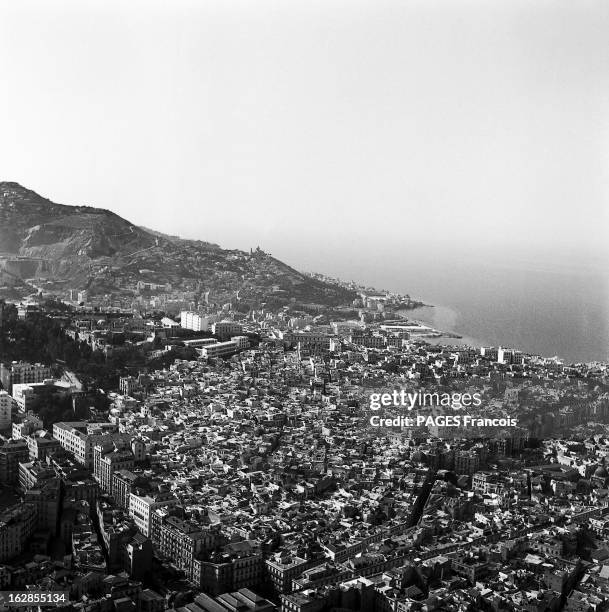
point(544, 308)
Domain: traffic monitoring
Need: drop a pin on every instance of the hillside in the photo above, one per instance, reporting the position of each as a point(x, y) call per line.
point(55, 248)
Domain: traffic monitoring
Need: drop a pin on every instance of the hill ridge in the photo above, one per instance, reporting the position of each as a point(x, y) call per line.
point(59, 247)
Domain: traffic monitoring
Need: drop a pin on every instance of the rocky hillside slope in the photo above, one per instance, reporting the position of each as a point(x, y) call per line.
point(58, 247)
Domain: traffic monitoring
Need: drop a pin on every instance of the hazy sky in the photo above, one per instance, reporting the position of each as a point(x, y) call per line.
point(313, 128)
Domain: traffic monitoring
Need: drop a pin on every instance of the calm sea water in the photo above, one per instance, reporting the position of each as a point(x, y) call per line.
point(564, 313)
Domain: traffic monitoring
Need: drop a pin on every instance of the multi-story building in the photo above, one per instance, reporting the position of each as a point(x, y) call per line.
point(282, 568)
point(141, 507)
point(12, 453)
point(28, 396)
point(26, 425)
point(25, 397)
point(126, 548)
point(485, 483)
point(148, 286)
point(128, 385)
point(115, 530)
point(193, 320)
point(40, 446)
point(79, 438)
point(508, 356)
point(6, 410)
point(45, 499)
point(17, 524)
point(123, 484)
point(21, 372)
point(470, 565)
point(368, 340)
point(238, 565)
point(226, 329)
point(490, 352)
point(196, 343)
point(137, 560)
point(307, 339)
point(467, 462)
point(243, 342)
point(170, 324)
point(26, 311)
point(32, 474)
point(183, 541)
point(219, 349)
point(85, 489)
point(108, 457)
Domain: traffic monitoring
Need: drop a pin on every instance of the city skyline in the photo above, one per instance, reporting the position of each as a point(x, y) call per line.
point(304, 305)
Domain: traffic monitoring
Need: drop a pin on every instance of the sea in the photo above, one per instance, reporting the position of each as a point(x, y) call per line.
point(540, 306)
point(549, 312)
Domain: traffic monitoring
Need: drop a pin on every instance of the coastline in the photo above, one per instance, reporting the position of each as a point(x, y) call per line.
point(443, 320)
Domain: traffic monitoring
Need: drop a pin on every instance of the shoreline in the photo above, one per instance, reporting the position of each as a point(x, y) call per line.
point(443, 331)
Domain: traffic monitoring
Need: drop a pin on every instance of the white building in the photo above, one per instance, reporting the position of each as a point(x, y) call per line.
point(220, 349)
point(28, 395)
point(21, 372)
point(200, 342)
point(169, 324)
point(193, 320)
point(26, 426)
point(24, 396)
point(243, 342)
point(508, 356)
point(141, 507)
point(80, 438)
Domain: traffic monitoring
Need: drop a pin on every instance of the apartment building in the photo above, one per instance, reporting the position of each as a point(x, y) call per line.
point(109, 457)
point(306, 339)
point(374, 341)
point(141, 507)
point(238, 565)
point(226, 329)
point(21, 372)
point(183, 541)
point(26, 426)
point(17, 524)
point(40, 446)
point(242, 342)
point(466, 462)
point(80, 438)
point(30, 395)
point(6, 410)
point(283, 567)
point(12, 453)
point(193, 320)
point(123, 484)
